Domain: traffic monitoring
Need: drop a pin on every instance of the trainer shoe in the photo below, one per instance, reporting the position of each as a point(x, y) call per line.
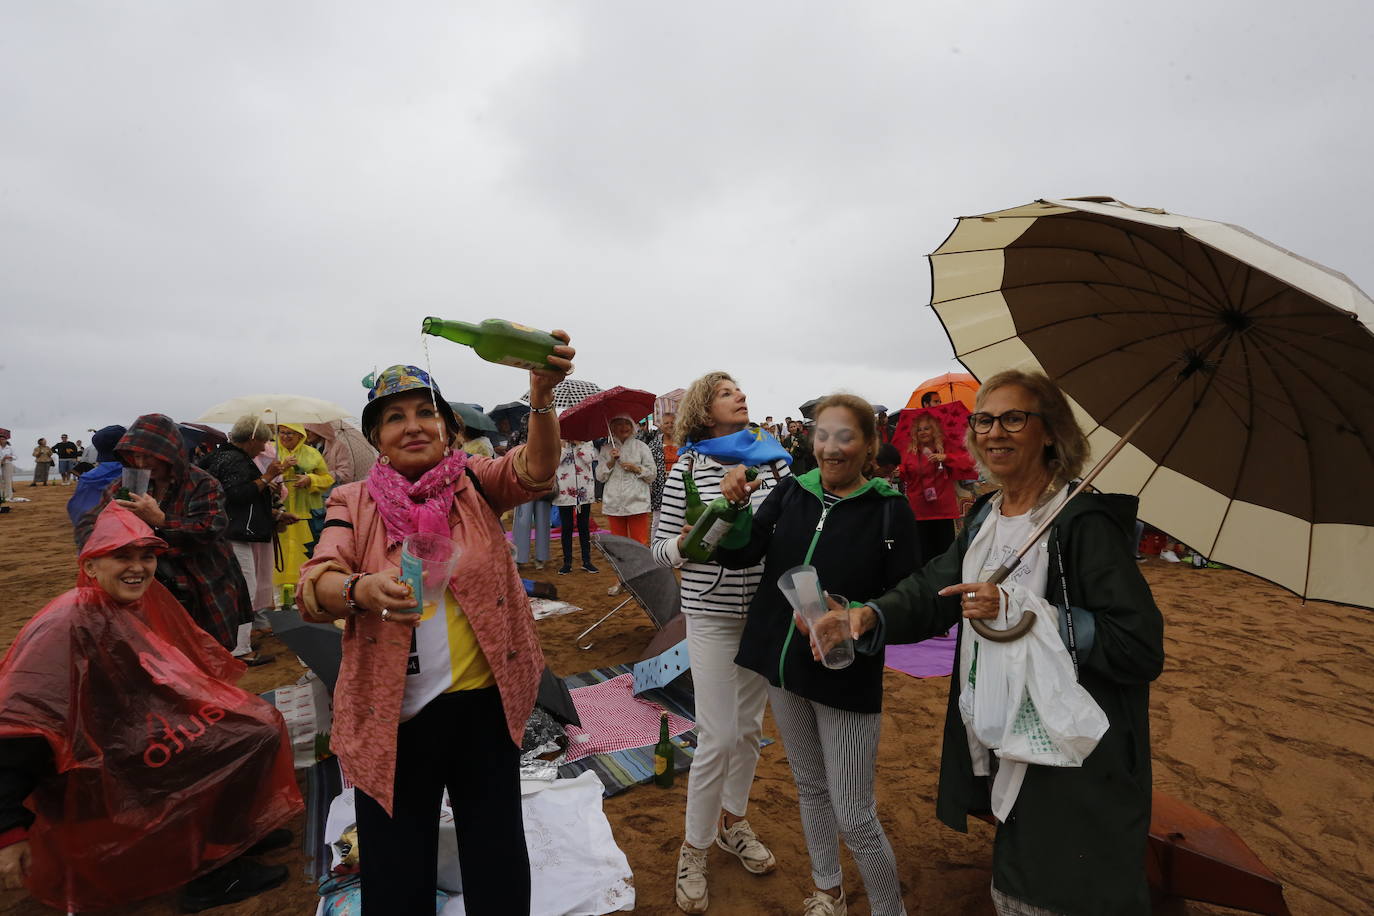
point(232, 883)
point(822, 904)
point(588, 567)
point(692, 894)
point(741, 842)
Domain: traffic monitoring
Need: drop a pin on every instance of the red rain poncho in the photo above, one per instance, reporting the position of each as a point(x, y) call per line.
point(165, 770)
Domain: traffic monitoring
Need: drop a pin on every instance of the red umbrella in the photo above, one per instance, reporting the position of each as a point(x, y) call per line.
point(589, 418)
point(953, 420)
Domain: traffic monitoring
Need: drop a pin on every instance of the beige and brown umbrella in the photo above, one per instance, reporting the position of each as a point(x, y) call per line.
point(1248, 370)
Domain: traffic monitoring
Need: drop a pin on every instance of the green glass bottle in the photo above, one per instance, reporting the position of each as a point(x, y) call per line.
point(498, 341)
point(694, 504)
point(715, 522)
point(664, 755)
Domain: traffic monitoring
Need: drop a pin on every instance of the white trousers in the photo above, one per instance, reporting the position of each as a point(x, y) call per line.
point(243, 552)
point(729, 703)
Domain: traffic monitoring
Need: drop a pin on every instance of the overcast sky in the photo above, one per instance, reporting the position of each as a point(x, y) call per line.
point(203, 200)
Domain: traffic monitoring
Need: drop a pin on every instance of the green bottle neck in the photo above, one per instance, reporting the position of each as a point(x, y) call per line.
point(456, 331)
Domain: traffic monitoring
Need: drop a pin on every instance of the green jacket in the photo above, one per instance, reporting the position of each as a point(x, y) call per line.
point(1075, 841)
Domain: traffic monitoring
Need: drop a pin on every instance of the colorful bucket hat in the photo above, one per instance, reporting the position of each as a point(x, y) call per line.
point(396, 380)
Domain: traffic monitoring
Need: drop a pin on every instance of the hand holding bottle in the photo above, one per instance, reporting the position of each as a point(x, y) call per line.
point(735, 487)
point(560, 366)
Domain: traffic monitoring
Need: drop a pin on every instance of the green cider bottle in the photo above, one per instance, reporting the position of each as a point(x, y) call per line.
point(694, 504)
point(498, 341)
point(714, 524)
point(664, 754)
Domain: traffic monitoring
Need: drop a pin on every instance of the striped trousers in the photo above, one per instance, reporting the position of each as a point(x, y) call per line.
point(832, 754)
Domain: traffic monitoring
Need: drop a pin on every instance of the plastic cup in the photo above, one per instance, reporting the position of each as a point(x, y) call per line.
point(135, 480)
point(801, 586)
point(428, 562)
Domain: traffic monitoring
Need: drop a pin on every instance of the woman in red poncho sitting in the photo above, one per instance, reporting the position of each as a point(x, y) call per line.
point(129, 763)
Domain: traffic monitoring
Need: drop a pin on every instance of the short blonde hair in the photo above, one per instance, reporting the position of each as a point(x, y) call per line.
point(694, 413)
point(1069, 448)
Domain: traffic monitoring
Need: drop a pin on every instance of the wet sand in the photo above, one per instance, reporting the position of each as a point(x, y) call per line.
point(1263, 718)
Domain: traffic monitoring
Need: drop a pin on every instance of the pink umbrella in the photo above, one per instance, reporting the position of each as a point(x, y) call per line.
point(589, 418)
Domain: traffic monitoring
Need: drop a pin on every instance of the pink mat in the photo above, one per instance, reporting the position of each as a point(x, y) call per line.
point(613, 719)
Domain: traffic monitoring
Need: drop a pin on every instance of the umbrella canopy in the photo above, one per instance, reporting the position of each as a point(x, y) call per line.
point(654, 587)
point(275, 408)
point(589, 418)
point(953, 420)
point(668, 403)
point(1248, 370)
point(952, 386)
point(209, 433)
point(475, 422)
point(808, 409)
point(568, 392)
point(510, 412)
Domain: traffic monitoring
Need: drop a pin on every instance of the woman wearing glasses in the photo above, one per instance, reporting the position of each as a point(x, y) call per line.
point(1071, 836)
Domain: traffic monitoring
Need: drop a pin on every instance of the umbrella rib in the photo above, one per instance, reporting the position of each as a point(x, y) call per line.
point(1245, 450)
point(1327, 393)
point(1103, 355)
point(1272, 342)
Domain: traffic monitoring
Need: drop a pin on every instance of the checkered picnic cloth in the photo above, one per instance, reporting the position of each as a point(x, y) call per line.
point(614, 719)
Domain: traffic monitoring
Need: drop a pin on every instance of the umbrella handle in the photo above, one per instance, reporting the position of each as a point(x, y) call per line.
point(1022, 626)
point(1010, 634)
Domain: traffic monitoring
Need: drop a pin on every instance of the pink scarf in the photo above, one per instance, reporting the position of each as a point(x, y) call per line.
point(422, 506)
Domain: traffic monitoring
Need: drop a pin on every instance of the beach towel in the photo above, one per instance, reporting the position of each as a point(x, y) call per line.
point(932, 658)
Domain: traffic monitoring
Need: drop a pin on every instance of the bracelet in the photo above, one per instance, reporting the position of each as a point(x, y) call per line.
point(545, 409)
point(349, 587)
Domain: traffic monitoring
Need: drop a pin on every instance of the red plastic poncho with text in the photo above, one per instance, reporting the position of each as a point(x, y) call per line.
point(165, 770)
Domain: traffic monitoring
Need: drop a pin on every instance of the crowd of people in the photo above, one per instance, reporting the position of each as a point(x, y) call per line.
point(902, 522)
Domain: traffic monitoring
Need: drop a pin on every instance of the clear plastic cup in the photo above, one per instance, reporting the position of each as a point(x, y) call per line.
point(428, 562)
point(832, 637)
point(135, 480)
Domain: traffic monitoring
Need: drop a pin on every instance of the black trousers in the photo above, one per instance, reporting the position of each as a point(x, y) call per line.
point(459, 742)
point(584, 536)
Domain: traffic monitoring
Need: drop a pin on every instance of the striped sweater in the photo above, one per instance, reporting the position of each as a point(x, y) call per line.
point(707, 588)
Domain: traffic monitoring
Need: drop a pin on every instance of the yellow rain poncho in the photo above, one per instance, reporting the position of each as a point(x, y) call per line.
point(303, 462)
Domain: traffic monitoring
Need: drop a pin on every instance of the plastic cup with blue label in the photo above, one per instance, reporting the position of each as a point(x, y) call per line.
point(428, 562)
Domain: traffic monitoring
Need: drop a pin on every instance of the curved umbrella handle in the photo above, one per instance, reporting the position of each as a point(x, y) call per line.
point(1010, 634)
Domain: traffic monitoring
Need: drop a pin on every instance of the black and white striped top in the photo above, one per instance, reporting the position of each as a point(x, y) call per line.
point(708, 588)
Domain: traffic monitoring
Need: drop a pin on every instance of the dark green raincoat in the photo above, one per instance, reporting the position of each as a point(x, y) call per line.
point(1075, 840)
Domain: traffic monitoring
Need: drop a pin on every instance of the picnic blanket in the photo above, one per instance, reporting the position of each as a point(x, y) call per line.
point(932, 658)
point(614, 719)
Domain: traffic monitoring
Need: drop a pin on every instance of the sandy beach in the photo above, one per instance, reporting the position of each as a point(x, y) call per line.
point(1263, 718)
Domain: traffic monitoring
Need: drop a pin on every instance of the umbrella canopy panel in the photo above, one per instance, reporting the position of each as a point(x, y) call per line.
point(1255, 458)
point(654, 587)
point(808, 409)
point(568, 392)
point(668, 403)
point(588, 418)
point(475, 422)
point(952, 386)
point(278, 408)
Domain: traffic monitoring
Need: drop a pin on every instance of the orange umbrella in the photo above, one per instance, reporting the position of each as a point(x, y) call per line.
point(952, 386)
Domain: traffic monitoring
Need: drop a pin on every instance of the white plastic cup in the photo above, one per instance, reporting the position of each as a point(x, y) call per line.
point(801, 586)
point(135, 480)
point(428, 562)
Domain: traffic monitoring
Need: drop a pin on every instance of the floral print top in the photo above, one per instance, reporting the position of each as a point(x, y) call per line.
point(574, 484)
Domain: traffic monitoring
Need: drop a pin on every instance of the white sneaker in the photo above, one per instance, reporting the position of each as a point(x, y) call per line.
point(692, 894)
point(822, 904)
point(741, 842)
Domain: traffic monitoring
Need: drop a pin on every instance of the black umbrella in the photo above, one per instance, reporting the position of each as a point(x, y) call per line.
point(511, 411)
point(808, 409)
point(653, 586)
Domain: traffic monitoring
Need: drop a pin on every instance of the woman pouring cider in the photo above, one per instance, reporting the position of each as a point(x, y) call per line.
point(421, 707)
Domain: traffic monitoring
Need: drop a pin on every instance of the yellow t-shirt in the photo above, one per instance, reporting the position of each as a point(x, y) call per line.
point(444, 656)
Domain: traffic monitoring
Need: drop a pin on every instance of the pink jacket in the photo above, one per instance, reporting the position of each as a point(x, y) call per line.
point(371, 685)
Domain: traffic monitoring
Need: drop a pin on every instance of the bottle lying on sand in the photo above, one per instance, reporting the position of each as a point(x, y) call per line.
point(720, 516)
point(498, 341)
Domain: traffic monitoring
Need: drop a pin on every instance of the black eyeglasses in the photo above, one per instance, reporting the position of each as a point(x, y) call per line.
point(1013, 421)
